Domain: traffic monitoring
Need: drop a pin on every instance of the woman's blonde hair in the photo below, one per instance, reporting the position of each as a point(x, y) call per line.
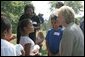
point(67, 13)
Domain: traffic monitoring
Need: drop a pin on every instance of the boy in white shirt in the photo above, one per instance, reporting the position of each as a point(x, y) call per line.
point(7, 49)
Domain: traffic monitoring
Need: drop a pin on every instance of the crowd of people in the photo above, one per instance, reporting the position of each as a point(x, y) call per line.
point(65, 38)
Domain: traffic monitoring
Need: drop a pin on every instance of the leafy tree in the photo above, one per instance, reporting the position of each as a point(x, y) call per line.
point(13, 10)
point(76, 5)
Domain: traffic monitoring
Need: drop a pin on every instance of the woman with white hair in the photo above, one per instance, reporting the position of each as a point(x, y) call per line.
point(72, 42)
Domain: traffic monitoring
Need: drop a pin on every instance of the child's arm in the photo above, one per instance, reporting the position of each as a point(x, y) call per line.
point(47, 46)
point(47, 38)
point(49, 53)
point(27, 49)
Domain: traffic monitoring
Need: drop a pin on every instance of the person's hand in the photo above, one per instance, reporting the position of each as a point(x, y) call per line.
point(35, 50)
point(13, 36)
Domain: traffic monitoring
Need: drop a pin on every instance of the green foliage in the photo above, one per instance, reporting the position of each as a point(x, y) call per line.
point(13, 10)
point(76, 5)
point(46, 25)
point(53, 5)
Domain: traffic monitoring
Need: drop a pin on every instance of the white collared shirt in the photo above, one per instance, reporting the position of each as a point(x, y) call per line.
point(7, 49)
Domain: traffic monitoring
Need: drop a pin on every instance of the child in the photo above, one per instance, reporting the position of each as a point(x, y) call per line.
point(7, 49)
point(39, 39)
point(25, 28)
point(53, 37)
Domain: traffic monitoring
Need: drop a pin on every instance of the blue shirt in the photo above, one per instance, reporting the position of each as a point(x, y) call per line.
point(53, 38)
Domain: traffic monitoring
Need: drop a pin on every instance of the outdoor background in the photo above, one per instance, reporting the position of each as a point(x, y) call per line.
point(14, 9)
